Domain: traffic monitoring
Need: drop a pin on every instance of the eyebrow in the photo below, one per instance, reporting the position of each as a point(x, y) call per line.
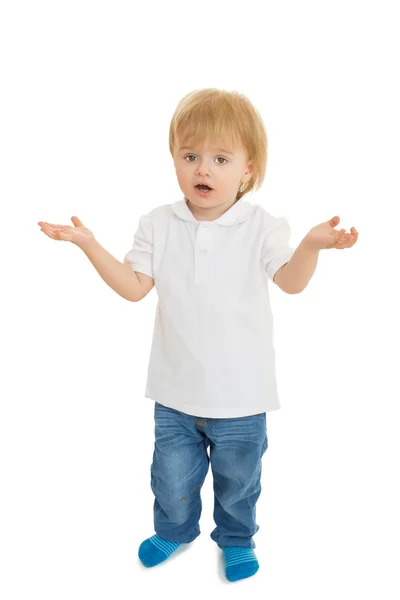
point(216, 149)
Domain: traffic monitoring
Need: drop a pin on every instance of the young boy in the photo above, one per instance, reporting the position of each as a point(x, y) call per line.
point(212, 363)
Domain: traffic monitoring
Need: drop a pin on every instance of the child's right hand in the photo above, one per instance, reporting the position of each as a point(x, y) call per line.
point(79, 235)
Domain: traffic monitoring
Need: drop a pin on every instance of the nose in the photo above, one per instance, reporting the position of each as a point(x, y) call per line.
point(203, 168)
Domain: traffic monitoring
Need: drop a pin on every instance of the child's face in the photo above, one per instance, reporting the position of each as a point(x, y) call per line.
point(223, 171)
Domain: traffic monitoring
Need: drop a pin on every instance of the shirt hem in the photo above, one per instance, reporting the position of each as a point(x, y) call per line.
point(197, 411)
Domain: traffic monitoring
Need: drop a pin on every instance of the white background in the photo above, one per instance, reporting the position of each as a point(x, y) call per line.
point(87, 93)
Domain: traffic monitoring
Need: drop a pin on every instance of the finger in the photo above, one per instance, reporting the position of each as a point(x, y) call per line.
point(52, 232)
point(352, 237)
point(46, 228)
point(77, 222)
point(52, 228)
point(340, 234)
point(353, 241)
point(346, 242)
point(59, 234)
point(49, 224)
point(342, 241)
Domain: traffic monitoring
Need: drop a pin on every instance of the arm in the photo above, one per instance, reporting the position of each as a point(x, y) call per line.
point(120, 277)
point(294, 275)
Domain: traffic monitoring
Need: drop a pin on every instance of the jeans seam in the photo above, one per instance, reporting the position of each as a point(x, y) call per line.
point(197, 487)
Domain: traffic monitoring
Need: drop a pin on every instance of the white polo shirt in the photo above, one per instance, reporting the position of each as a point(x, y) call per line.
point(212, 352)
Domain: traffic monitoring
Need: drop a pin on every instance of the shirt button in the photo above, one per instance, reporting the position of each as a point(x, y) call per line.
point(203, 251)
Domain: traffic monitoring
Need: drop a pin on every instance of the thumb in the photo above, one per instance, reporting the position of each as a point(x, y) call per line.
point(77, 222)
point(334, 221)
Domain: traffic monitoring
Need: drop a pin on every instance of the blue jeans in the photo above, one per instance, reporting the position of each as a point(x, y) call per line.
point(180, 465)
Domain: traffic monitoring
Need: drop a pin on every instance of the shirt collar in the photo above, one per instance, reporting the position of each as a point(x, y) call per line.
point(237, 213)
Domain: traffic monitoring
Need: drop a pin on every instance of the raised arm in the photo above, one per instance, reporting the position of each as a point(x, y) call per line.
point(119, 276)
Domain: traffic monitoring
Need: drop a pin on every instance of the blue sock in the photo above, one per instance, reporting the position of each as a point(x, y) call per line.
point(154, 550)
point(240, 562)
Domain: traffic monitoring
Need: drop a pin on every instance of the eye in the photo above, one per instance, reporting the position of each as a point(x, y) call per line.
point(225, 159)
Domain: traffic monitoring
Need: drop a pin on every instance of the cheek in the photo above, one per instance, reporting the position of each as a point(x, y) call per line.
point(184, 172)
point(183, 177)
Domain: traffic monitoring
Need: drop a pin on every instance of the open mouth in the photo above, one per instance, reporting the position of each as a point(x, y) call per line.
point(203, 188)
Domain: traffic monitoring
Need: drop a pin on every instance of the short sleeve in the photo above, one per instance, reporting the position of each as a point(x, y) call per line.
point(140, 256)
point(276, 250)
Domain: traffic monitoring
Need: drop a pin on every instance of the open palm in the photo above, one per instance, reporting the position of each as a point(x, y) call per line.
point(325, 235)
point(79, 234)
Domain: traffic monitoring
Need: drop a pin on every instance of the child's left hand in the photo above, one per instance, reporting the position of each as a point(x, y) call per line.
point(324, 236)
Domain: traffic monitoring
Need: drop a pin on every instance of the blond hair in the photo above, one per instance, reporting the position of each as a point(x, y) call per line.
point(211, 115)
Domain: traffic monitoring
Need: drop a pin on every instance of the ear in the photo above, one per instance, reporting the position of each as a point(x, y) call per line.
point(249, 172)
